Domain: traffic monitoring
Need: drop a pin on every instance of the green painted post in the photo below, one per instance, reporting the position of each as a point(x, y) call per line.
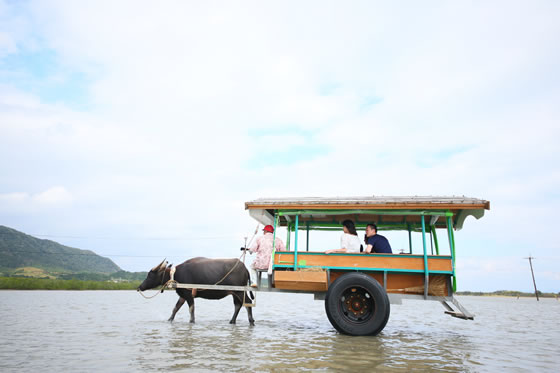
point(431, 242)
point(296, 244)
point(275, 225)
point(426, 276)
point(271, 265)
point(434, 234)
point(289, 236)
point(409, 238)
point(453, 240)
point(307, 240)
point(452, 246)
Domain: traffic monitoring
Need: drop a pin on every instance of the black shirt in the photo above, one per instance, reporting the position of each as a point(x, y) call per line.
point(379, 244)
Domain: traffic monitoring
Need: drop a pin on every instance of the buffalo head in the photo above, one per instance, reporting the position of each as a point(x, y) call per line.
point(155, 277)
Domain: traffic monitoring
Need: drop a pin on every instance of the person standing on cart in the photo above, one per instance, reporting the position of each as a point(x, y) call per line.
point(264, 247)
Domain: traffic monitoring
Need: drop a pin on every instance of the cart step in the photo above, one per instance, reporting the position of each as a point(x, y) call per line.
point(459, 315)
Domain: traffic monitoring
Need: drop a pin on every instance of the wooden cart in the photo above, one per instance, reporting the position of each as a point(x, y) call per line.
point(358, 288)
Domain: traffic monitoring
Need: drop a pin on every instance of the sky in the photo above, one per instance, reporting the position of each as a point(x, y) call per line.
point(138, 129)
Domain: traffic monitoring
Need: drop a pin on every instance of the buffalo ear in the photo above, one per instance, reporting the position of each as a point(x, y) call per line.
point(169, 266)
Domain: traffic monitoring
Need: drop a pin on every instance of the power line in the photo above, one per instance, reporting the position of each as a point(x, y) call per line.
point(87, 254)
point(134, 238)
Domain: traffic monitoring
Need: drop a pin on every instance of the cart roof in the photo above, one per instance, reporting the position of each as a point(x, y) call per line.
point(379, 209)
point(373, 202)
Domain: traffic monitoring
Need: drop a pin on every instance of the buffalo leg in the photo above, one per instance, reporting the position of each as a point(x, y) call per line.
point(237, 302)
point(178, 306)
point(250, 314)
point(190, 302)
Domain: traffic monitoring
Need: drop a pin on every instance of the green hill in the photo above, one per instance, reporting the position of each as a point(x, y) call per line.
point(19, 250)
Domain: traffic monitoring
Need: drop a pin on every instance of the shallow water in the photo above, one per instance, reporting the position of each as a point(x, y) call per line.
point(121, 331)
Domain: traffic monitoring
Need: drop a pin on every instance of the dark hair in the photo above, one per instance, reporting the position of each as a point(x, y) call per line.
point(372, 226)
point(349, 224)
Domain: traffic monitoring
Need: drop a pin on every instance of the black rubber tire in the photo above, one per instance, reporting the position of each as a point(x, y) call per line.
point(356, 304)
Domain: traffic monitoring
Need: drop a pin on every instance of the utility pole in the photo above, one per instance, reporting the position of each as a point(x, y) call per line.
point(533, 274)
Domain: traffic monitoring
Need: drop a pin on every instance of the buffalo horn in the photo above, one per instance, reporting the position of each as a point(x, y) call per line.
point(156, 268)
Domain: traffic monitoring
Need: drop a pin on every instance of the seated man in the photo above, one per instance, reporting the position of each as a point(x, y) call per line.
point(376, 243)
point(263, 248)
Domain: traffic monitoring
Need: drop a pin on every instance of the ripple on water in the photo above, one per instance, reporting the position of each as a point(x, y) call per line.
point(120, 331)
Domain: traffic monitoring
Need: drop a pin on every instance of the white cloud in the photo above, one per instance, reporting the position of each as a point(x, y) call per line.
point(414, 101)
point(53, 196)
point(13, 197)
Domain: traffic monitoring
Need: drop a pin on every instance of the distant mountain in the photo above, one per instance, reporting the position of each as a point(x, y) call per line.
point(18, 250)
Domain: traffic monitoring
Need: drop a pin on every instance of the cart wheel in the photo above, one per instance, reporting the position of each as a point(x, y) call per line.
point(356, 304)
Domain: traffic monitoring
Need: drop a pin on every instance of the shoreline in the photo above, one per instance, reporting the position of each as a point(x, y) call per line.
point(24, 283)
point(507, 294)
point(29, 283)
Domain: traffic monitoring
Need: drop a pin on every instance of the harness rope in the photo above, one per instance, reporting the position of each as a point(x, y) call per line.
point(172, 272)
point(142, 294)
point(157, 291)
point(227, 274)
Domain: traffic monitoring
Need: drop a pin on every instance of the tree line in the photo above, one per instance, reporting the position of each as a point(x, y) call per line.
point(26, 283)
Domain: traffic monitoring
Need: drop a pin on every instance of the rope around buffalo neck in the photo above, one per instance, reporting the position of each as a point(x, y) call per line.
point(142, 294)
point(163, 286)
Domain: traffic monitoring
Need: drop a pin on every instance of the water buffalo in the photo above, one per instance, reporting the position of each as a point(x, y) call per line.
point(203, 271)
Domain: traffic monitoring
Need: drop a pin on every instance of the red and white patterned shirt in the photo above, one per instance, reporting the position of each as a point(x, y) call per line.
point(263, 248)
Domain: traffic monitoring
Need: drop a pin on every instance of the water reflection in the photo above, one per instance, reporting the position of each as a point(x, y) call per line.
point(118, 331)
point(288, 346)
point(240, 348)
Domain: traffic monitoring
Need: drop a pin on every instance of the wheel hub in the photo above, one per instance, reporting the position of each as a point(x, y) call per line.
point(357, 304)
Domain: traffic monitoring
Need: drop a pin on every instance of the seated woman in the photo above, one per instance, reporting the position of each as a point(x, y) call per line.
point(349, 241)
